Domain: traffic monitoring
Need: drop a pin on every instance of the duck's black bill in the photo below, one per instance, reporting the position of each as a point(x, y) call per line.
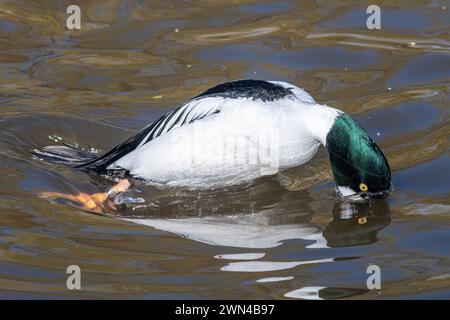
point(365, 196)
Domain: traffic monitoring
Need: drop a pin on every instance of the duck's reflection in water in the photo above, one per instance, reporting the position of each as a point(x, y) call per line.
point(273, 222)
point(274, 218)
point(356, 224)
point(324, 293)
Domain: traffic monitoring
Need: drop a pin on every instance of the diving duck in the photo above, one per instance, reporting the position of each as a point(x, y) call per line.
point(236, 132)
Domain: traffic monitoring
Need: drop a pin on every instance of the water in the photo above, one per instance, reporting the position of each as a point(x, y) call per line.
point(275, 238)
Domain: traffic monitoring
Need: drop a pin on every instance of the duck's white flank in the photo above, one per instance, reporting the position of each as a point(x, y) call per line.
point(232, 140)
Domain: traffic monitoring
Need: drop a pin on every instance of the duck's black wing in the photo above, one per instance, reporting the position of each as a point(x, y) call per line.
point(195, 109)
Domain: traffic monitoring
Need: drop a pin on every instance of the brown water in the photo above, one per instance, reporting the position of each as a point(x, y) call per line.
point(133, 61)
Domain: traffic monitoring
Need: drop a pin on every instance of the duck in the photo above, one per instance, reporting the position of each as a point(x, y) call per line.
point(236, 132)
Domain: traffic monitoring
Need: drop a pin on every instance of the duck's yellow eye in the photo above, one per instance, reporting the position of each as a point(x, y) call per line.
point(363, 187)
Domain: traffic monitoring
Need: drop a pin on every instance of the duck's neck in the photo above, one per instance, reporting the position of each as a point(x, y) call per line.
point(320, 120)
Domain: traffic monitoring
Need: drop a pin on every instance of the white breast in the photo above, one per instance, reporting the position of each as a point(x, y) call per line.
point(246, 140)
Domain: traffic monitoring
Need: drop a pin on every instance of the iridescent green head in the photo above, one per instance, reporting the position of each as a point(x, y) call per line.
point(359, 167)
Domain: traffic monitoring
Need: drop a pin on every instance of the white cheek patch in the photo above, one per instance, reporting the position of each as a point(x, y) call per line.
point(346, 191)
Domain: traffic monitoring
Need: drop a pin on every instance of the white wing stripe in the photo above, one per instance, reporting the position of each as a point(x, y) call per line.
point(184, 114)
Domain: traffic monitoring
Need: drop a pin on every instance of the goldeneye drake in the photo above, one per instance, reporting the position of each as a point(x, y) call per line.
point(239, 131)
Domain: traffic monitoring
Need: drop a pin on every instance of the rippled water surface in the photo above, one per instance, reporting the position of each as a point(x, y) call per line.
point(285, 237)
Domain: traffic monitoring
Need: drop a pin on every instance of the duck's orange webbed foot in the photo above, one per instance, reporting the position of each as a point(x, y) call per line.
point(92, 202)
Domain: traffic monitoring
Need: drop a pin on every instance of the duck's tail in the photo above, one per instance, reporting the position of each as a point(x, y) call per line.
point(89, 161)
point(84, 160)
point(65, 154)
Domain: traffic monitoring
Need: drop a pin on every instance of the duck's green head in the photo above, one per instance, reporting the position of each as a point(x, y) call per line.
point(359, 167)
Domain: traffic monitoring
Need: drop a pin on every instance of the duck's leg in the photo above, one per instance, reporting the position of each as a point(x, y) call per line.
point(92, 202)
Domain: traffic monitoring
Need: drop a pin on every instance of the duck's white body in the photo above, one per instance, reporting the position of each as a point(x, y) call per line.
point(230, 140)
